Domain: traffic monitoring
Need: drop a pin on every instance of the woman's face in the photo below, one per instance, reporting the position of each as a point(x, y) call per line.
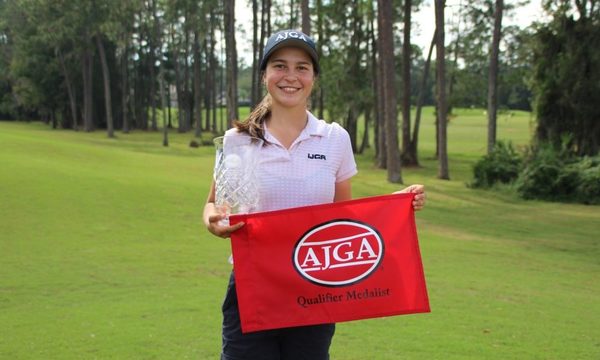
point(289, 77)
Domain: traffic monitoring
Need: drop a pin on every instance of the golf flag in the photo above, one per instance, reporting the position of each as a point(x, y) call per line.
point(328, 263)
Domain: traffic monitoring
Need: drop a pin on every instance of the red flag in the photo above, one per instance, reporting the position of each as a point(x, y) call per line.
point(328, 263)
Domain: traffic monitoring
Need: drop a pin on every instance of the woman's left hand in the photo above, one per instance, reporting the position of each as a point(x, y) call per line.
point(419, 191)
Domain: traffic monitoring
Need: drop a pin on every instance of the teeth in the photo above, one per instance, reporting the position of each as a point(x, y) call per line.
point(289, 89)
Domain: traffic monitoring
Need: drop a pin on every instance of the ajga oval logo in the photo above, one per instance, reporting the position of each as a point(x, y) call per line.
point(338, 253)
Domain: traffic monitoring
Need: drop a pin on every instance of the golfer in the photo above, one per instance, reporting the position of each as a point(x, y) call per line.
point(304, 161)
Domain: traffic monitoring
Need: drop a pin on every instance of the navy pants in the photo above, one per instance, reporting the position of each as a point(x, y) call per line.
point(296, 343)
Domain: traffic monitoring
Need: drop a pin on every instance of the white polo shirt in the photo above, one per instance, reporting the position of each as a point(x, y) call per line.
point(306, 173)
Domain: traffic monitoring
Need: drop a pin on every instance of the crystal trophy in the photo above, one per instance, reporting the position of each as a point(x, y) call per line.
point(236, 184)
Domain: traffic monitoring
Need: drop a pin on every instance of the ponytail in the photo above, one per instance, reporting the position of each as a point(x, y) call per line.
point(253, 125)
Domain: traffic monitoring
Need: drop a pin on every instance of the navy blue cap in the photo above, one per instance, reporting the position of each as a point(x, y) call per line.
point(293, 38)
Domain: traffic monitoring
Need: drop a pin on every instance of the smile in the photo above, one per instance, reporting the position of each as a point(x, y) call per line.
point(289, 89)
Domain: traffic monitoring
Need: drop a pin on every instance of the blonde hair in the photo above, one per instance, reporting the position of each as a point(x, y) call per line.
point(253, 125)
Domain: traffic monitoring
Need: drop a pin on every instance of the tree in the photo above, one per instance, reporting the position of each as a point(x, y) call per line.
point(33, 73)
point(87, 64)
point(515, 69)
point(492, 107)
point(409, 156)
point(471, 50)
point(566, 76)
point(305, 17)
point(443, 171)
point(197, 83)
point(107, 93)
point(108, 28)
point(422, 89)
point(319, 101)
point(231, 59)
point(347, 64)
point(254, 93)
point(390, 115)
point(69, 86)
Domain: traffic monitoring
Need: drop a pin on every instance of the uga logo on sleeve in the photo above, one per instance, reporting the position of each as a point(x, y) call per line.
point(338, 253)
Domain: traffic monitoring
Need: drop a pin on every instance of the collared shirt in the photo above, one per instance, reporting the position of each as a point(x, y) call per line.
point(306, 173)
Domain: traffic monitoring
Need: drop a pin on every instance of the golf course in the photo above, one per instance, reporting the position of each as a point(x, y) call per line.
point(104, 255)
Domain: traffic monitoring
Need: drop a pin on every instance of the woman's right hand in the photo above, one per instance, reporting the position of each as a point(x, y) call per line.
point(212, 220)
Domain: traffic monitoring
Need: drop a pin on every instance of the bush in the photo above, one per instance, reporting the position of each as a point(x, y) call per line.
point(543, 177)
point(500, 166)
point(556, 175)
point(588, 189)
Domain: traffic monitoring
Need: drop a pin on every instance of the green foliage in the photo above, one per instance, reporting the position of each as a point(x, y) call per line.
point(588, 188)
point(543, 175)
point(556, 175)
point(468, 58)
point(501, 166)
point(566, 79)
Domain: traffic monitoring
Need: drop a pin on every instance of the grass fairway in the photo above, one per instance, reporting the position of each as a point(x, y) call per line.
point(103, 255)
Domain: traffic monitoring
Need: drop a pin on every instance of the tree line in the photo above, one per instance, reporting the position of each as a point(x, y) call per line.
point(91, 64)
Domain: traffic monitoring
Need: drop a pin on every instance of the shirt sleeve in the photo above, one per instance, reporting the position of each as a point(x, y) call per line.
point(347, 168)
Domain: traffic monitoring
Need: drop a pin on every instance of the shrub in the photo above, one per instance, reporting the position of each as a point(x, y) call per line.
point(556, 175)
point(588, 189)
point(500, 166)
point(542, 176)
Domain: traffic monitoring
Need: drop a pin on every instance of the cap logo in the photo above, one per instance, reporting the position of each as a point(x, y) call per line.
point(338, 253)
point(290, 34)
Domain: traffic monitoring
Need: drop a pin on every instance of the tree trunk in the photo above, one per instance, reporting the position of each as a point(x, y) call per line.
point(139, 103)
point(53, 119)
point(365, 139)
point(165, 97)
point(379, 128)
point(169, 101)
point(70, 91)
point(414, 143)
point(197, 85)
point(454, 69)
point(408, 157)
point(163, 100)
point(441, 90)
point(305, 17)
point(209, 74)
point(178, 83)
point(125, 85)
point(355, 76)
point(232, 96)
point(265, 31)
point(293, 20)
point(187, 105)
point(152, 94)
point(153, 44)
point(255, 87)
point(492, 107)
point(206, 91)
point(386, 40)
point(320, 102)
point(107, 93)
point(133, 99)
point(88, 99)
point(352, 125)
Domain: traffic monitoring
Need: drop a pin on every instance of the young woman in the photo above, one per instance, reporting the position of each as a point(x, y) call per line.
point(304, 161)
